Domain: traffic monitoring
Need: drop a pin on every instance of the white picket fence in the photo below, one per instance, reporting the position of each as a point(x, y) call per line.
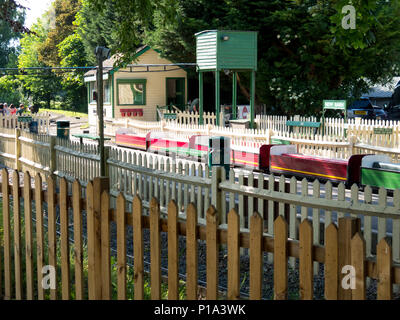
point(11, 122)
point(344, 140)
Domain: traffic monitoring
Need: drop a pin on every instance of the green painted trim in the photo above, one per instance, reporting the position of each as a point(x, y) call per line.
point(201, 102)
point(306, 124)
point(217, 97)
point(132, 81)
point(112, 95)
point(143, 51)
point(380, 178)
point(234, 96)
point(88, 93)
point(137, 55)
point(280, 141)
point(252, 98)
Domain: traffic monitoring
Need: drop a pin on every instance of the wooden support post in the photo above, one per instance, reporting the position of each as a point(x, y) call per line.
point(234, 95)
point(17, 149)
point(106, 156)
point(252, 98)
point(217, 98)
point(352, 140)
point(201, 101)
point(94, 235)
point(53, 159)
point(348, 227)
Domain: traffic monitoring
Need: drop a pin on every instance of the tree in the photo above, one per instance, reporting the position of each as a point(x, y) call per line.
point(132, 17)
point(11, 90)
point(72, 54)
point(304, 54)
point(96, 27)
point(63, 26)
point(46, 85)
point(8, 47)
point(10, 14)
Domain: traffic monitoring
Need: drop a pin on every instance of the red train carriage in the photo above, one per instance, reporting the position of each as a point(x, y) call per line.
point(126, 138)
point(284, 159)
point(163, 143)
point(245, 158)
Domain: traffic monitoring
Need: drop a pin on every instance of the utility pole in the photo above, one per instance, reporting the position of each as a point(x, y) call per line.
point(102, 53)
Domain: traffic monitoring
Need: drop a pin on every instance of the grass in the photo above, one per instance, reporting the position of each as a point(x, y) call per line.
point(66, 113)
point(114, 271)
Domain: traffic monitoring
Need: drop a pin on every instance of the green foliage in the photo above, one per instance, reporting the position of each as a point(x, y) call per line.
point(96, 27)
point(304, 54)
point(11, 20)
point(9, 36)
point(11, 91)
point(61, 20)
point(55, 43)
point(72, 54)
point(12, 13)
point(45, 86)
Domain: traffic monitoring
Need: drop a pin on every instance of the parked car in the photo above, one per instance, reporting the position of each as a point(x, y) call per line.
point(380, 113)
point(393, 112)
point(363, 108)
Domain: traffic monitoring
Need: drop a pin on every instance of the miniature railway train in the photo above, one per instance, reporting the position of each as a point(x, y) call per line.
point(373, 170)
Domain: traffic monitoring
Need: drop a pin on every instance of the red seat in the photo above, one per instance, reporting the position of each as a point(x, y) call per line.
point(132, 112)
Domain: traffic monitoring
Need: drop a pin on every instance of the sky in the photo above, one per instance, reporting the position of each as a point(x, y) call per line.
point(37, 8)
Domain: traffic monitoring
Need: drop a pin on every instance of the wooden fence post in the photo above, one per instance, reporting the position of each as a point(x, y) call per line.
point(6, 234)
point(384, 269)
point(212, 254)
point(233, 255)
point(306, 261)
point(348, 227)
point(138, 249)
point(256, 256)
point(280, 259)
point(53, 161)
point(331, 262)
point(17, 149)
point(155, 250)
point(94, 192)
point(191, 252)
point(358, 262)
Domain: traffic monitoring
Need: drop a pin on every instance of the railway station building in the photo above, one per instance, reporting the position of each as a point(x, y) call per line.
point(136, 90)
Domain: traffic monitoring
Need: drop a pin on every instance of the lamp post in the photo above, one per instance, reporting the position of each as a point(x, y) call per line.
point(102, 53)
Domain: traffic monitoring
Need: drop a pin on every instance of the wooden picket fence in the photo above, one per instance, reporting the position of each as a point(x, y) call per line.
point(39, 244)
point(135, 172)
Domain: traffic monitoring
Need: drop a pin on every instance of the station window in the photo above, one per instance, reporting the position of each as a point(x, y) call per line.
point(131, 92)
point(106, 91)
